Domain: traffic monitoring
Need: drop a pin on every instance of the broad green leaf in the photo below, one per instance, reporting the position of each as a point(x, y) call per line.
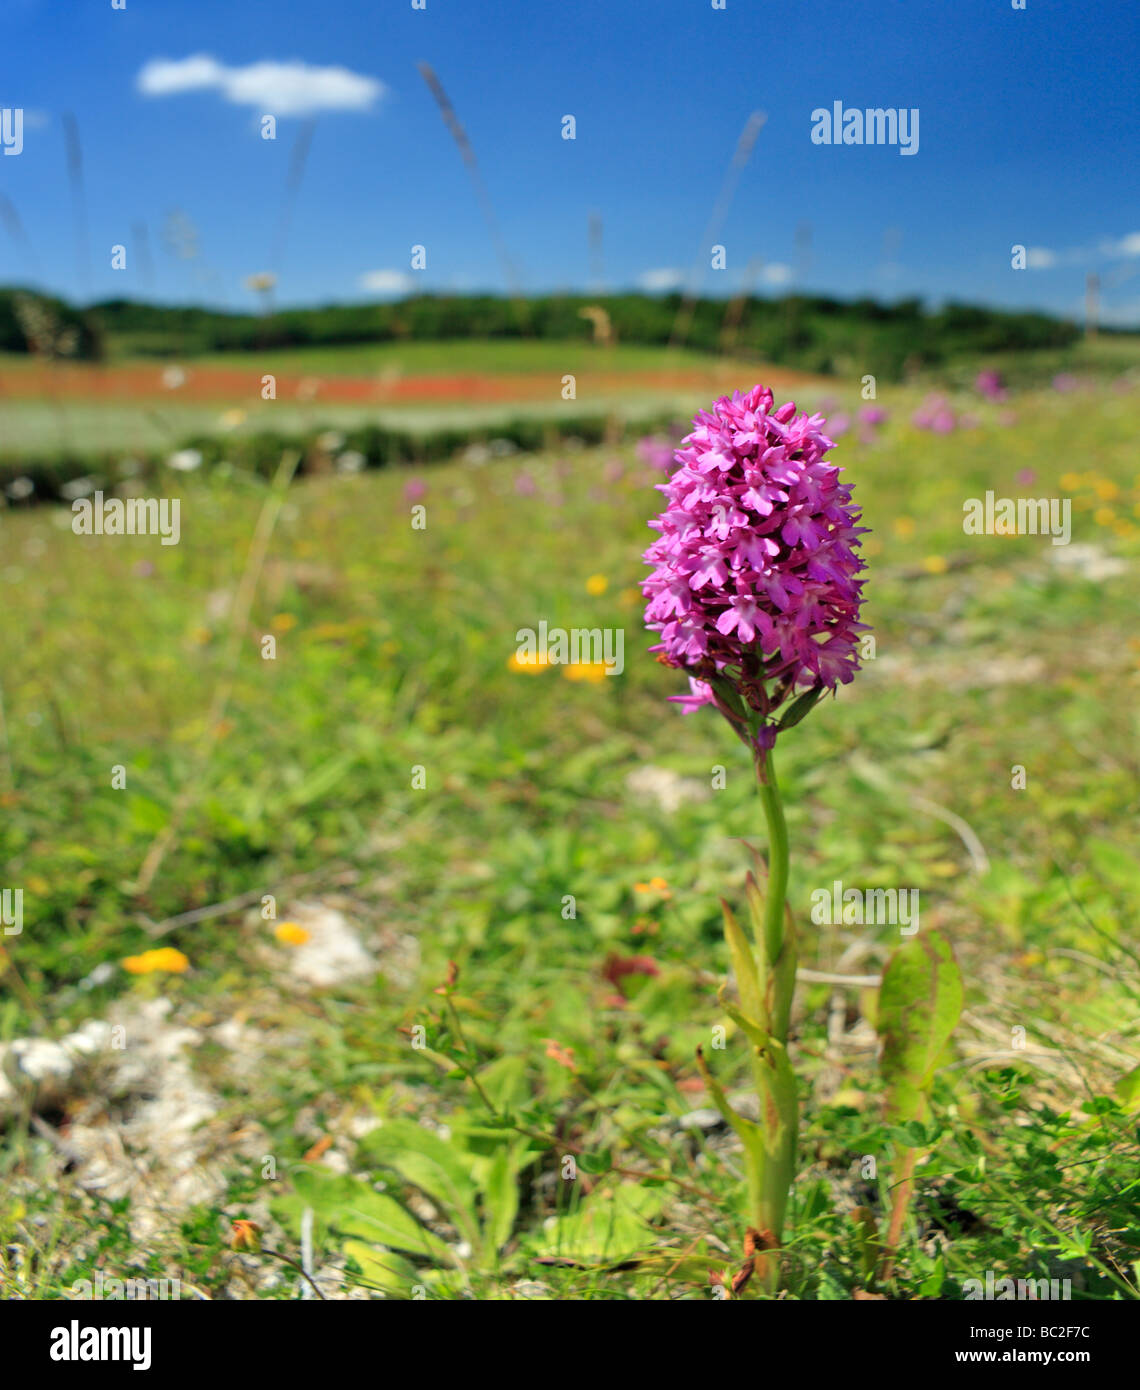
point(504, 1082)
point(349, 1206)
point(610, 1226)
point(1128, 1089)
point(440, 1169)
point(384, 1269)
point(501, 1197)
point(920, 1001)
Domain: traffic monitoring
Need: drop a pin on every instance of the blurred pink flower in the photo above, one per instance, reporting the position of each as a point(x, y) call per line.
point(934, 414)
point(990, 384)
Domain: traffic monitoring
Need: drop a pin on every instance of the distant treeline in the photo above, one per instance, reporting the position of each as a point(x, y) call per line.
point(812, 332)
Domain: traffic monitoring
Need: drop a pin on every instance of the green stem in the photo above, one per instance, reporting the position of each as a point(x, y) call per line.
point(773, 1167)
point(777, 889)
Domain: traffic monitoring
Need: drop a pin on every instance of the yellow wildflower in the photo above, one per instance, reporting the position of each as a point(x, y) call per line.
point(530, 665)
point(593, 672)
point(291, 934)
point(163, 958)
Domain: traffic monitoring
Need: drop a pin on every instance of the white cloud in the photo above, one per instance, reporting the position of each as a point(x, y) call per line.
point(777, 274)
point(276, 89)
point(1126, 246)
point(1107, 249)
point(660, 281)
point(1040, 258)
point(393, 282)
point(163, 78)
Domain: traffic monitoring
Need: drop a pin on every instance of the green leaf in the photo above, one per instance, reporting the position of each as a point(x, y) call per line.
point(504, 1082)
point(609, 1226)
point(931, 1286)
point(350, 1207)
point(920, 1001)
point(777, 948)
point(321, 780)
point(385, 1270)
point(744, 968)
point(501, 1197)
point(800, 707)
point(1128, 1089)
point(440, 1169)
point(756, 1036)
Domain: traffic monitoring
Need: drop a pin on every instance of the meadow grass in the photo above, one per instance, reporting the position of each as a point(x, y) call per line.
point(393, 650)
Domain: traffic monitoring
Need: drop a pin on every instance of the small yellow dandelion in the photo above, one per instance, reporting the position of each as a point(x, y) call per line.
point(283, 622)
point(1070, 481)
point(1104, 516)
point(291, 934)
point(904, 527)
point(935, 564)
point(597, 584)
point(530, 664)
point(164, 958)
point(593, 672)
point(1106, 489)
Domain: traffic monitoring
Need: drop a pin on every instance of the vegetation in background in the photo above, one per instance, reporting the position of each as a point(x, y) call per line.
point(809, 332)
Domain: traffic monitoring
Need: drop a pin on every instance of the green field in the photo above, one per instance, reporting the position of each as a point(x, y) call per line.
point(393, 650)
point(45, 428)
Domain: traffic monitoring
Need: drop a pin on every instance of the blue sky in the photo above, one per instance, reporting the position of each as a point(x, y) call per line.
point(1027, 136)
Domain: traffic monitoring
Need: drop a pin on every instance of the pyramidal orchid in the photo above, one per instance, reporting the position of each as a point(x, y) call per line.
point(755, 594)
